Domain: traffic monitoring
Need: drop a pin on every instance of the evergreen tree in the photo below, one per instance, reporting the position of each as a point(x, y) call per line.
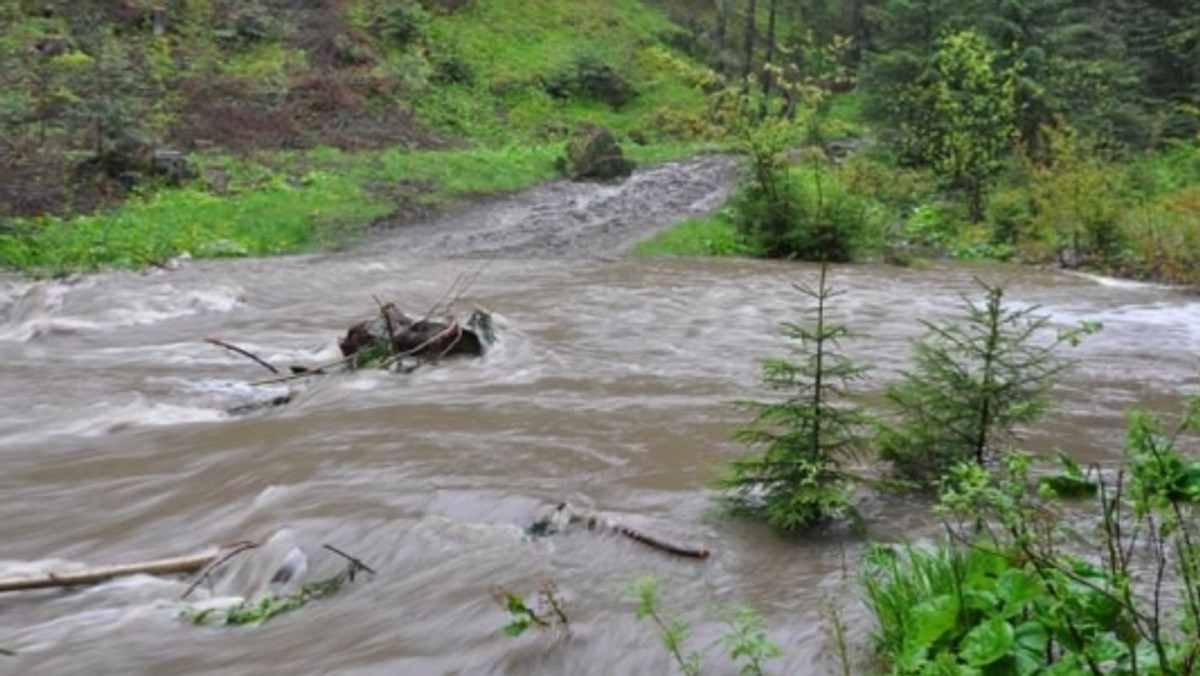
point(973, 382)
point(800, 480)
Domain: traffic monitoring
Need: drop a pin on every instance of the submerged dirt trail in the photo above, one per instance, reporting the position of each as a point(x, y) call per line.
point(569, 220)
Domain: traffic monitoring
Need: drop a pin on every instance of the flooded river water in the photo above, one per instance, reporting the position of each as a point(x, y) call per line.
point(611, 388)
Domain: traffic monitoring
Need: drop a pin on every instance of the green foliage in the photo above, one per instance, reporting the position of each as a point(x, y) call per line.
point(973, 381)
point(713, 235)
point(266, 210)
point(956, 610)
point(545, 613)
point(1012, 594)
point(801, 215)
point(974, 107)
point(746, 641)
point(1076, 200)
point(800, 481)
point(403, 24)
point(256, 613)
point(673, 629)
point(587, 76)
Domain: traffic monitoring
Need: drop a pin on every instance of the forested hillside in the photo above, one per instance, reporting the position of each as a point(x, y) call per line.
point(969, 106)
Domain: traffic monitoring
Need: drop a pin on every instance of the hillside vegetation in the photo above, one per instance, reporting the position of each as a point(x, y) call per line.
point(1035, 130)
point(289, 124)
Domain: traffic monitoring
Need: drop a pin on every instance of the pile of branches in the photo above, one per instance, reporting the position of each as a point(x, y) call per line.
point(391, 339)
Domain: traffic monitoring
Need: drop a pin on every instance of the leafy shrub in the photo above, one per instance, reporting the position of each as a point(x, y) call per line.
point(1010, 216)
point(589, 77)
point(1077, 200)
point(450, 69)
point(801, 217)
point(1013, 593)
point(403, 24)
point(1163, 238)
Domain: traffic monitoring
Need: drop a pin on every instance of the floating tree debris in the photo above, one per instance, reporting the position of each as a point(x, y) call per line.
point(256, 612)
point(564, 517)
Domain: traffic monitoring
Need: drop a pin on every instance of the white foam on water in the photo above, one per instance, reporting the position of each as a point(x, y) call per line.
point(1118, 283)
point(43, 308)
point(107, 418)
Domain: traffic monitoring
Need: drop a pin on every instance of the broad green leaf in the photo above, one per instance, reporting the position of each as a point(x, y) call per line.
point(1016, 588)
point(1108, 648)
point(934, 619)
point(988, 642)
point(517, 627)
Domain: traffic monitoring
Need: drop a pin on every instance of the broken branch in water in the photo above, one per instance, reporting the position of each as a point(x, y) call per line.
point(661, 545)
point(205, 573)
point(6, 652)
point(564, 516)
point(256, 612)
point(242, 351)
point(306, 373)
point(183, 565)
point(354, 562)
point(462, 283)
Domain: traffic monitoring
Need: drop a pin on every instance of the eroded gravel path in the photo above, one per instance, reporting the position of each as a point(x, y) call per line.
point(571, 220)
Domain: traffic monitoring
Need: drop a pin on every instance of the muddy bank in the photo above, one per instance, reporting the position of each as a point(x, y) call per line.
point(568, 220)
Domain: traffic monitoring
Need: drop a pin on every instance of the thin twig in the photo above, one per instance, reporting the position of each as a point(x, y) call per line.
point(387, 322)
point(458, 334)
point(242, 351)
point(234, 549)
point(354, 560)
point(461, 285)
point(315, 371)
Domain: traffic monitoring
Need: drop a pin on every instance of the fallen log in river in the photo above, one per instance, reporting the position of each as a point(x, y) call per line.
point(180, 565)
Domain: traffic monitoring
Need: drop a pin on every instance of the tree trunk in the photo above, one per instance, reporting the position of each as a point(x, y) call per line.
point(769, 61)
point(751, 31)
point(722, 23)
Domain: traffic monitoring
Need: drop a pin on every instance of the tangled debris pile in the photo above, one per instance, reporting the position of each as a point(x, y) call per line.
point(390, 339)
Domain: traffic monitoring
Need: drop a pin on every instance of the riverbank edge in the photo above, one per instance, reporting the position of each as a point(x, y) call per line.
point(286, 203)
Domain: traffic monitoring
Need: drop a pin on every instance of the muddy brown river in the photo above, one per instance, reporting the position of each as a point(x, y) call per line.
point(611, 388)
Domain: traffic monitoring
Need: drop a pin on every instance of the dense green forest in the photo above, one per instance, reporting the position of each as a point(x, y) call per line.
point(1043, 130)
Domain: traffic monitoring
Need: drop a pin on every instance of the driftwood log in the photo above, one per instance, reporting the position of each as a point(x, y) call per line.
point(180, 565)
point(183, 565)
point(564, 516)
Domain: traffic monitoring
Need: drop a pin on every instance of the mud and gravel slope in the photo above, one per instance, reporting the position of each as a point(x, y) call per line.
point(570, 220)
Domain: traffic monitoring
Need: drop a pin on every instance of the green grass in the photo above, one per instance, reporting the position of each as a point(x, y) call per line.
point(712, 235)
point(280, 203)
point(512, 46)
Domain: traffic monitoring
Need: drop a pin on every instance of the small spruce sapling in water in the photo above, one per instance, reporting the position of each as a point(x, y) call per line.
point(974, 380)
point(800, 480)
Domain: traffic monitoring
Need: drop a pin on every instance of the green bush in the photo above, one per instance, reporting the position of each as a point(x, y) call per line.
point(589, 77)
point(804, 216)
point(404, 24)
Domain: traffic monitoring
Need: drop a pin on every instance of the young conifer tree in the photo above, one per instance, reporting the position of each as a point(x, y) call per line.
point(800, 479)
point(974, 381)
